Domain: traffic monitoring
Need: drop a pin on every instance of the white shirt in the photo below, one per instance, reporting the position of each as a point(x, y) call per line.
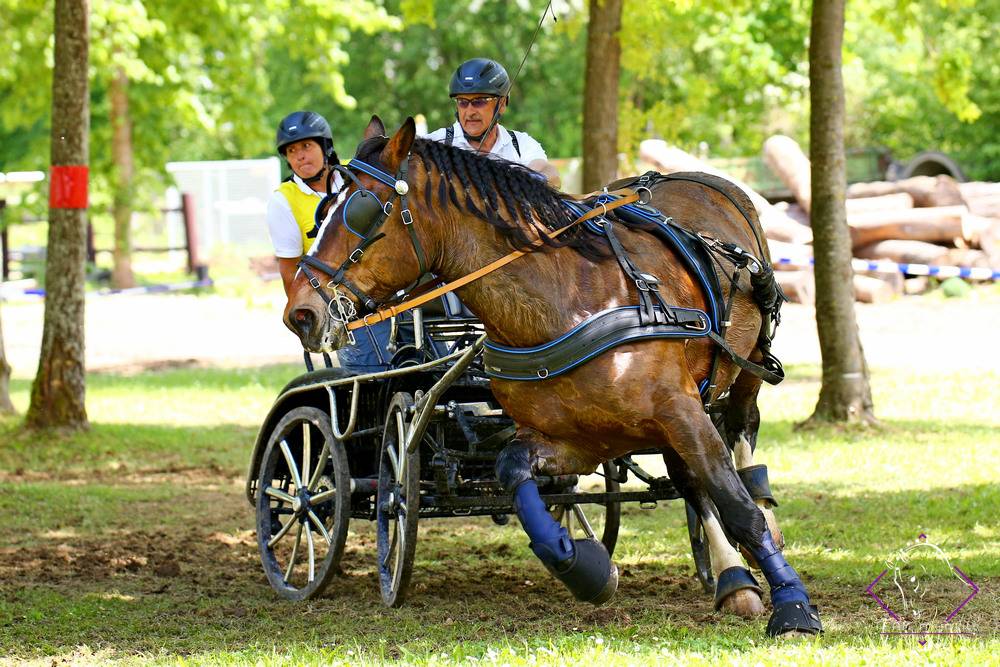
point(286, 235)
point(530, 149)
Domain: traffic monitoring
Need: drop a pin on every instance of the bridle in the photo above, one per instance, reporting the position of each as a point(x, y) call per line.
point(363, 215)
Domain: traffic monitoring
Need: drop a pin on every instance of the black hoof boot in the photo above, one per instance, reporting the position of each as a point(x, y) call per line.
point(734, 579)
point(794, 617)
point(589, 575)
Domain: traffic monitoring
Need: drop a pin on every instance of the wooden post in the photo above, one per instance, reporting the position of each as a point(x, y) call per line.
point(5, 243)
point(190, 232)
point(91, 249)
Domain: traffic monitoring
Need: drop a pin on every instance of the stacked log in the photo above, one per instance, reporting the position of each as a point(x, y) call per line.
point(920, 220)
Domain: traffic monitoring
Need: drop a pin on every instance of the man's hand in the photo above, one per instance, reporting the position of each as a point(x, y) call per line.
point(546, 168)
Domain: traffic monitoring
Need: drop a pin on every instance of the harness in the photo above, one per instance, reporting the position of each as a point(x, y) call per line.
point(449, 138)
point(363, 214)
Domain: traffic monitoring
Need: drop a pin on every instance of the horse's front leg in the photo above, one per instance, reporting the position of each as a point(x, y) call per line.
point(694, 438)
point(736, 591)
point(583, 565)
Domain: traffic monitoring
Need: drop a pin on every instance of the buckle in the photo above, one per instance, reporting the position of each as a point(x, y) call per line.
point(642, 285)
point(387, 208)
point(357, 251)
point(406, 216)
point(314, 282)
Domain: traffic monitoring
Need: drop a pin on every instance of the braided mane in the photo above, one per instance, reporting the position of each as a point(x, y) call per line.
point(507, 195)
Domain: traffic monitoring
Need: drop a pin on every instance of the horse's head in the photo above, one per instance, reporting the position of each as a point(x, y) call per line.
point(366, 249)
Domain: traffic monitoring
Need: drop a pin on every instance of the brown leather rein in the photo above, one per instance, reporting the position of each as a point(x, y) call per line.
point(627, 197)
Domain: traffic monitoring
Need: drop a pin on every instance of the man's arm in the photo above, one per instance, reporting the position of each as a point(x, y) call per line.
point(287, 266)
point(547, 169)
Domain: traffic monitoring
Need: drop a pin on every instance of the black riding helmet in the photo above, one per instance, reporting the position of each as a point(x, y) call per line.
point(300, 125)
point(480, 75)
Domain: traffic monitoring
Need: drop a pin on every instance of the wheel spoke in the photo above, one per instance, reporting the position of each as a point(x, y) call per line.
point(281, 533)
point(582, 520)
point(391, 550)
point(292, 468)
point(295, 553)
point(401, 529)
point(278, 494)
point(306, 450)
point(320, 527)
point(390, 450)
point(320, 464)
point(312, 556)
point(322, 497)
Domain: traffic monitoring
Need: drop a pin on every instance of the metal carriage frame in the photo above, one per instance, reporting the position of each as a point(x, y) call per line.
point(414, 442)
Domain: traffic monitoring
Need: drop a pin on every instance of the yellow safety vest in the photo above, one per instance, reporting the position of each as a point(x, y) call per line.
point(303, 209)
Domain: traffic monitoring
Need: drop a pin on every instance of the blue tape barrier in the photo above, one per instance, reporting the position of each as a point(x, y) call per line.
point(885, 266)
point(146, 289)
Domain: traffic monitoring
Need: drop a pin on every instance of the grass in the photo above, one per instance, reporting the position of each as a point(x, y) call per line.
point(132, 543)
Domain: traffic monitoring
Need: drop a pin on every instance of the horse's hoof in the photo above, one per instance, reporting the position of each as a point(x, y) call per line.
point(794, 617)
point(738, 593)
point(744, 603)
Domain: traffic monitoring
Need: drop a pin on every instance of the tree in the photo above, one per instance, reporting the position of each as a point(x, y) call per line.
point(845, 394)
point(600, 94)
point(57, 395)
point(6, 406)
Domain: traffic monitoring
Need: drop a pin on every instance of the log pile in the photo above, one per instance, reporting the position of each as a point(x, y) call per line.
point(923, 220)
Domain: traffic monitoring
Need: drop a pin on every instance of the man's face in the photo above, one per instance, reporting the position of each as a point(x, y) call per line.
point(305, 158)
point(475, 111)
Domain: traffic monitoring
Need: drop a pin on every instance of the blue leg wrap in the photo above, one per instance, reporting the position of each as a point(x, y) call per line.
point(550, 541)
point(781, 577)
point(584, 566)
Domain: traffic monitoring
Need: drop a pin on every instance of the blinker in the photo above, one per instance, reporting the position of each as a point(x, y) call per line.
point(361, 211)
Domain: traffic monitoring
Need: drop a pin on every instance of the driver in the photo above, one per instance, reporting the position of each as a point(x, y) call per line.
point(305, 141)
point(481, 90)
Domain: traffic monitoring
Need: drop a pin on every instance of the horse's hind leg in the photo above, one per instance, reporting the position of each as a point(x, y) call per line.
point(736, 590)
point(742, 422)
point(694, 438)
point(583, 565)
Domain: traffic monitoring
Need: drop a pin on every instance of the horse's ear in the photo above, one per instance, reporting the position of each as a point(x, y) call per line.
point(399, 146)
point(375, 128)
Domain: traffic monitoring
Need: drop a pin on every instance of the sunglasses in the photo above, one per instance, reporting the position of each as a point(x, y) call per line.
point(475, 103)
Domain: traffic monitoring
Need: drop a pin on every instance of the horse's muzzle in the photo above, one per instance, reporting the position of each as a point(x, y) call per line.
point(307, 323)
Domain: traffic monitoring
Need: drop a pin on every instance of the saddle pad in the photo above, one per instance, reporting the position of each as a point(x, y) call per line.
point(585, 341)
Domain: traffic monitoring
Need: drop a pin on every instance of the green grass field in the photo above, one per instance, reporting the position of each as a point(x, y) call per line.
point(134, 543)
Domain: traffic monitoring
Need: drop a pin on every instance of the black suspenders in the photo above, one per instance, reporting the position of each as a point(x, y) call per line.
point(449, 138)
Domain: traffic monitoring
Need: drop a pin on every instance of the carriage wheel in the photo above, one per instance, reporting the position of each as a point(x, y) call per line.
point(602, 521)
point(699, 549)
point(398, 504)
point(303, 504)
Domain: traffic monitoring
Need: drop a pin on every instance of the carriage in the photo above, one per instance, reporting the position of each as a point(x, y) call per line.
point(416, 441)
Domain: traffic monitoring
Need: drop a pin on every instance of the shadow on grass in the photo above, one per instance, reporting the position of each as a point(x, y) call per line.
point(110, 448)
point(180, 375)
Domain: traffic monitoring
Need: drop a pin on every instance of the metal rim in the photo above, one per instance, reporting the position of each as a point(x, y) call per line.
point(303, 504)
point(699, 549)
point(397, 504)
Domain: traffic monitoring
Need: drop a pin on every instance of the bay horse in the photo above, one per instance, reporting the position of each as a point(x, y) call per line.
point(456, 211)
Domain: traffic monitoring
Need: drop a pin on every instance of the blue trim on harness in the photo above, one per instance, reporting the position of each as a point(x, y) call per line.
point(372, 171)
point(661, 221)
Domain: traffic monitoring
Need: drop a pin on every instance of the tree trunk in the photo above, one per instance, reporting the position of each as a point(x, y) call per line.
point(6, 406)
point(600, 94)
point(845, 394)
point(57, 395)
point(121, 155)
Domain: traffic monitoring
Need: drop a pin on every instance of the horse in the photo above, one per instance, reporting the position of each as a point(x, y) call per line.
point(412, 206)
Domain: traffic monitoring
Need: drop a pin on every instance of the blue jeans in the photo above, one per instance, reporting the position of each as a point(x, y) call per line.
point(362, 357)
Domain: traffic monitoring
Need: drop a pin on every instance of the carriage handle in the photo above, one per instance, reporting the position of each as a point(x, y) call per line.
point(424, 406)
point(352, 420)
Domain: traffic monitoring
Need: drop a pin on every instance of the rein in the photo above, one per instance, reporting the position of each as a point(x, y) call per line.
point(393, 311)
